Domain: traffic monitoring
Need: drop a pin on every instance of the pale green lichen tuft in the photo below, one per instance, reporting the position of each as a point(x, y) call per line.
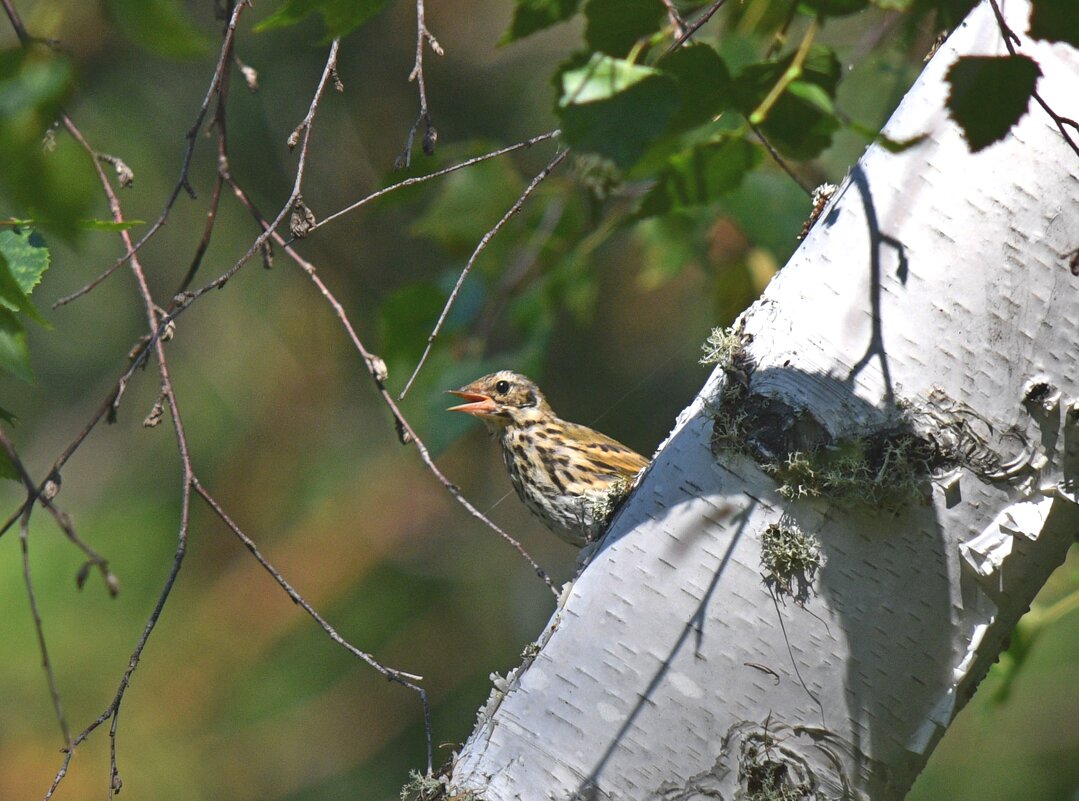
point(723, 347)
point(790, 558)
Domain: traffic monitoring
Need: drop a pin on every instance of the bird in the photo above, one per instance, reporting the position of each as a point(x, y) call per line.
point(571, 477)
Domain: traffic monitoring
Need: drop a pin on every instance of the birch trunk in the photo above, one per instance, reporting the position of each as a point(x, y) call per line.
point(933, 301)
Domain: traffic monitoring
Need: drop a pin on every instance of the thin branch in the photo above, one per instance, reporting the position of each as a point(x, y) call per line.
point(780, 160)
point(696, 25)
point(39, 628)
point(183, 301)
point(377, 370)
point(484, 240)
point(44, 494)
point(182, 183)
point(521, 269)
point(113, 710)
point(399, 676)
point(16, 23)
point(535, 140)
point(791, 74)
point(430, 134)
point(678, 25)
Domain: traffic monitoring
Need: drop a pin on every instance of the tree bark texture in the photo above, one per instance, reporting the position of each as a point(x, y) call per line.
point(930, 310)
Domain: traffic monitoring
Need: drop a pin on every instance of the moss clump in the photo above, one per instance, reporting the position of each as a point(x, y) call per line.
point(790, 558)
point(768, 776)
point(602, 506)
point(883, 470)
point(422, 787)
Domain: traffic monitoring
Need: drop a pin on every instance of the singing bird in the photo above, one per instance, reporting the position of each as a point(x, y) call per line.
point(568, 475)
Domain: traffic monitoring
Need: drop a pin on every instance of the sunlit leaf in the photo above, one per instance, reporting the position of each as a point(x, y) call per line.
point(615, 26)
point(614, 108)
point(989, 95)
point(27, 256)
point(110, 225)
point(530, 16)
point(160, 26)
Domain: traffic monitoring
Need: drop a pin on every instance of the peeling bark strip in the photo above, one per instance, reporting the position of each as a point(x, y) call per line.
point(932, 300)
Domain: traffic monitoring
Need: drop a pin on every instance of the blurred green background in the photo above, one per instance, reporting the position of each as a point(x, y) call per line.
point(239, 695)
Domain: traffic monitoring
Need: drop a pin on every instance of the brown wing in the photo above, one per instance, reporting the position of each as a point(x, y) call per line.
point(603, 453)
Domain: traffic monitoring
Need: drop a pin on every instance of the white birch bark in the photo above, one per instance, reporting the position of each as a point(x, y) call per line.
point(935, 278)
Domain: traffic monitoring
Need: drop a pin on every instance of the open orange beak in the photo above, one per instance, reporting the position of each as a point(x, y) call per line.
point(478, 404)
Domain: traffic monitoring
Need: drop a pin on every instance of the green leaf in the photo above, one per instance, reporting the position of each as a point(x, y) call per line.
point(27, 256)
point(800, 123)
point(32, 82)
point(813, 94)
point(1055, 21)
point(109, 225)
point(530, 16)
point(468, 203)
point(160, 26)
point(989, 95)
point(832, 8)
point(406, 318)
point(12, 296)
point(704, 83)
point(54, 184)
point(668, 244)
point(14, 354)
point(700, 175)
point(614, 108)
point(615, 26)
point(340, 16)
point(7, 469)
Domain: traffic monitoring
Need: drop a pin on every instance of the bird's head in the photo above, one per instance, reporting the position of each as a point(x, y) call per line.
point(503, 399)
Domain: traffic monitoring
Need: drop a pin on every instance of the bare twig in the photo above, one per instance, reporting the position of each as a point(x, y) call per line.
point(182, 183)
point(696, 25)
point(437, 174)
point(399, 676)
point(484, 240)
point(39, 628)
point(43, 494)
point(430, 134)
point(376, 368)
point(678, 25)
point(780, 160)
point(521, 269)
point(113, 710)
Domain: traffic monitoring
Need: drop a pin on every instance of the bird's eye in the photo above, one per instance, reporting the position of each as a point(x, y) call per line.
point(502, 387)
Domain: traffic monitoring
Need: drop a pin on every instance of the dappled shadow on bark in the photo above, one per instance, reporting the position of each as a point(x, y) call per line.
point(878, 240)
point(868, 640)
